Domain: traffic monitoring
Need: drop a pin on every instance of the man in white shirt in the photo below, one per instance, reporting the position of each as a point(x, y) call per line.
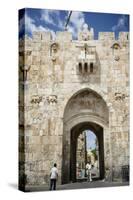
point(88, 171)
point(53, 177)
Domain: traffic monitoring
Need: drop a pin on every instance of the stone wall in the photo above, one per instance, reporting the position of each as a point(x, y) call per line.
point(49, 75)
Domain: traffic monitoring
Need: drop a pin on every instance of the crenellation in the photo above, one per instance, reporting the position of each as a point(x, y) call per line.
point(64, 37)
point(37, 36)
point(46, 37)
point(109, 36)
point(123, 36)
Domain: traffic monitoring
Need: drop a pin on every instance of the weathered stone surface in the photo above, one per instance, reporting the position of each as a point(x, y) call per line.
point(58, 93)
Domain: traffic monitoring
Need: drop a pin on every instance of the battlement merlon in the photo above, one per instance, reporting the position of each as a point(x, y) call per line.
point(42, 36)
point(106, 36)
point(63, 36)
point(66, 36)
point(123, 36)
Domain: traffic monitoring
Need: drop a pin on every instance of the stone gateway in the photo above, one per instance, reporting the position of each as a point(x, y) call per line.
point(67, 86)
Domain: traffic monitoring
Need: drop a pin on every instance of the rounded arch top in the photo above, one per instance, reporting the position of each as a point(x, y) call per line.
point(92, 126)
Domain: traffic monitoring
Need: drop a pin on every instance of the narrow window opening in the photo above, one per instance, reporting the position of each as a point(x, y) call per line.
point(80, 67)
point(86, 67)
point(91, 67)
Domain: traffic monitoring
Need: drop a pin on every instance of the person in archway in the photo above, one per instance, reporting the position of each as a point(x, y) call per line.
point(53, 177)
point(88, 171)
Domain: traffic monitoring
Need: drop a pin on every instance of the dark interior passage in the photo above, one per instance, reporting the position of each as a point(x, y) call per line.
point(80, 154)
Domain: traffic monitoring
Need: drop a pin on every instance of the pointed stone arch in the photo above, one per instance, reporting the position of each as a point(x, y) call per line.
point(85, 109)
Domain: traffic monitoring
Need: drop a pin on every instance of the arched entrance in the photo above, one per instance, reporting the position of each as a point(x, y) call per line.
point(78, 129)
point(86, 110)
point(87, 152)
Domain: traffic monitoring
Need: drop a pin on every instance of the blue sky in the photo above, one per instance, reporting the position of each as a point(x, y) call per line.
point(54, 20)
point(91, 138)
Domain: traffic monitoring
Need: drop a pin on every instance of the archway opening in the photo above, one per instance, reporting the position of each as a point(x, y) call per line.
point(85, 110)
point(86, 145)
point(87, 152)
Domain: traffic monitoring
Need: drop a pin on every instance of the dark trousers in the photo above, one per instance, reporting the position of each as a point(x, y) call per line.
point(52, 184)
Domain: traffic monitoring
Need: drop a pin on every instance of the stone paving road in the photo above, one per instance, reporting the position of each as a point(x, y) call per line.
point(78, 185)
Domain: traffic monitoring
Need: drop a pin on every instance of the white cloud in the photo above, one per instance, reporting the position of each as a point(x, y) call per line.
point(21, 24)
point(45, 15)
point(91, 138)
point(29, 24)
point(120, 24)
point(52, 17)
point(72, 30)
point(77, 20)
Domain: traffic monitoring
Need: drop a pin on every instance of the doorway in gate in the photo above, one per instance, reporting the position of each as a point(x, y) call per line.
point(86, 146)
point(85, 112)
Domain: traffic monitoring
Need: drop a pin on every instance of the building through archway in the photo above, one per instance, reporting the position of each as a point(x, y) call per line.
point(73, 149)
point(87, 151)
point(86, 110)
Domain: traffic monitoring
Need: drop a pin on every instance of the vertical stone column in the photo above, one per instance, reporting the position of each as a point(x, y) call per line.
point(66, 157)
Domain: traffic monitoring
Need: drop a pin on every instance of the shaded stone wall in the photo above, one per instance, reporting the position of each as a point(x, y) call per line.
point(49, 76)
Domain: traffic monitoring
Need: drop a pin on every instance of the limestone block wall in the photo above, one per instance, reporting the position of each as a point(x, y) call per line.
point(48, 76)
point(118, 95)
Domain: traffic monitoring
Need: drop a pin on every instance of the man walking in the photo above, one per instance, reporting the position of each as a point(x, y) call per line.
point(88, 171)
point(53, 177)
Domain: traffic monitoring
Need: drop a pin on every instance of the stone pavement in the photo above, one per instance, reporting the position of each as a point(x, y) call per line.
point(79, 185)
